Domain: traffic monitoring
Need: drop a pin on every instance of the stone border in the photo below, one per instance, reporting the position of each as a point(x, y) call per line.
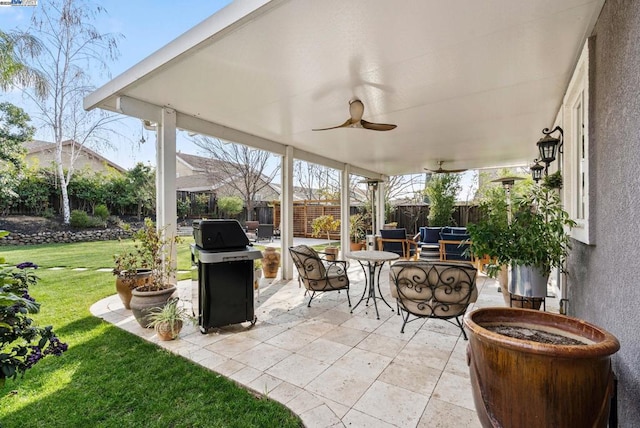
point(66, 236)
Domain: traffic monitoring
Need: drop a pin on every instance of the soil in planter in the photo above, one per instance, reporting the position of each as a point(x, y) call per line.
point(539, 336)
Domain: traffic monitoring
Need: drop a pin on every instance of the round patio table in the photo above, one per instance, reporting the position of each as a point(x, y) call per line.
point(373, 262)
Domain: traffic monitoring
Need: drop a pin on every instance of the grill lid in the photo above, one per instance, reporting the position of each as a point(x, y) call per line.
point(219, 234)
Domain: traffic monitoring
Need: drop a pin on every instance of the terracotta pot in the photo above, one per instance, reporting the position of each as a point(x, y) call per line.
point(125, 284)
point(522, 383)
point(270, 262)
point(356, 246)
point(166, 331)
point(143, 301)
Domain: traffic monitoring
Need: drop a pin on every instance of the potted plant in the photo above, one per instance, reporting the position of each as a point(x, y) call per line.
point(553, 181)
point(157, 248)
point(132, 270)
point(533, 243)
point(356, 231)
point(270, 262)
point(325, 224)
point(488, 236)
point(168, 320)
point(539, 369)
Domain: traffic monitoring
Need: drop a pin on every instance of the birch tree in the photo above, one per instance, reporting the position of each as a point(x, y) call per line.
point(72, 52)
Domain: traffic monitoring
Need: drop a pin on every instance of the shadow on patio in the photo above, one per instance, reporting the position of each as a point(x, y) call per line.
point(331, 367)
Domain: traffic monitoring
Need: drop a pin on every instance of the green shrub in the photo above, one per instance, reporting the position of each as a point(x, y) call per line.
point(114, 220)
point(79, 219)
point(96, 222)
point(442, 190)
point(48, 213)
point(183, 209)
point(102, 212)
point(230, 205)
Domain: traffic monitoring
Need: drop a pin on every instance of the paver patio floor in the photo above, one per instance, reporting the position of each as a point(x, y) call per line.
point(331, 367)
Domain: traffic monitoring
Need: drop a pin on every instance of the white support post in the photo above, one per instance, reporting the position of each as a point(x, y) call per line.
point(166, 210)
point(345, 202)
point(286, 212)
point(380, 218)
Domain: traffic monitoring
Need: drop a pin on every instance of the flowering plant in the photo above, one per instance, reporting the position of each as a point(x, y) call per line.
point(22, 343)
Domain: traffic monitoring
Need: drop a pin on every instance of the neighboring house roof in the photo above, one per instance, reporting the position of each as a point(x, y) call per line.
point(197, 164)
point(39, 146)
point(194, 183)
point(201, 180)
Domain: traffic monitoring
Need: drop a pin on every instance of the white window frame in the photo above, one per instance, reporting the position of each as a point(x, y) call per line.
point(576, 166)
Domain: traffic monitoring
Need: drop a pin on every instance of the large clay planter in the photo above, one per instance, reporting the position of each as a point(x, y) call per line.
point(125, 284)
point(522, 383)
point(506, 280)
point(143, 301)
point(528, 281)
point(270, 262)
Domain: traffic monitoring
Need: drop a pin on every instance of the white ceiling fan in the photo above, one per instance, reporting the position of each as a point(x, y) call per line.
point(356, 110)
point(441, 170)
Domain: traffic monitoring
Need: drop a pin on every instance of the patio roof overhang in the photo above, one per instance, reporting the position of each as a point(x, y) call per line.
point(467, 82)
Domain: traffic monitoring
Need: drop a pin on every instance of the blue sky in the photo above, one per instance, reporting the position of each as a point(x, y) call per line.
point(146, 26)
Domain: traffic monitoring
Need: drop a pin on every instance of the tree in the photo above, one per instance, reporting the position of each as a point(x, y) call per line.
point(13, 71)
point(72, 51)
point(315, 181)
point(230, 205)
point(442, 190)
point(90, 188)
point(14, 131)
point(142, 186)
point(242, 168)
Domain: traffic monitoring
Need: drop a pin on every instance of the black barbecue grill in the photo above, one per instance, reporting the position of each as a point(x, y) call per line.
point(224, 259)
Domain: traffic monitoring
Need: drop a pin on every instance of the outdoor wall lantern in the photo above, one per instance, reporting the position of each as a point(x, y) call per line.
point(536, 170)
point(548, 145)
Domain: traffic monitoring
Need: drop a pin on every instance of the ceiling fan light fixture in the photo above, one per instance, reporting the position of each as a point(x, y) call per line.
point(441, 170)
point(356, 111)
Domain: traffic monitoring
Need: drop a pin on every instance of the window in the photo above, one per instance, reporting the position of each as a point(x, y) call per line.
point(576, 149)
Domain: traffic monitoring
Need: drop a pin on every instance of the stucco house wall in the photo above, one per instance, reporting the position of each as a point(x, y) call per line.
point(604, 278)
point(41, 154)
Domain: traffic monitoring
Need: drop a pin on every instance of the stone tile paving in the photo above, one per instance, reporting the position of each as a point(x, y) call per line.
point(331, 367)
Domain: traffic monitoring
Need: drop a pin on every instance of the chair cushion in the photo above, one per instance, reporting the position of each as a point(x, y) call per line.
point(458, 230)
point(440, 289)
point(429, 235)
point(455, 251)
point(308, 260)
point(393, 247)
point(251, 225)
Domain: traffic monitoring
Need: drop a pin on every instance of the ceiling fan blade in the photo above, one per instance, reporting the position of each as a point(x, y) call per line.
point(344, 125)
point(356, 110)
point(377, 126)
point(441, 170)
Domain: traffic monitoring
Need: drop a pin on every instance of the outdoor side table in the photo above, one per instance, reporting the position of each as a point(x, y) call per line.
point(373, 262)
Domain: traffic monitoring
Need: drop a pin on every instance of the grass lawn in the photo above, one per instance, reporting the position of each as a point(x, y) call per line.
point(108, 377)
